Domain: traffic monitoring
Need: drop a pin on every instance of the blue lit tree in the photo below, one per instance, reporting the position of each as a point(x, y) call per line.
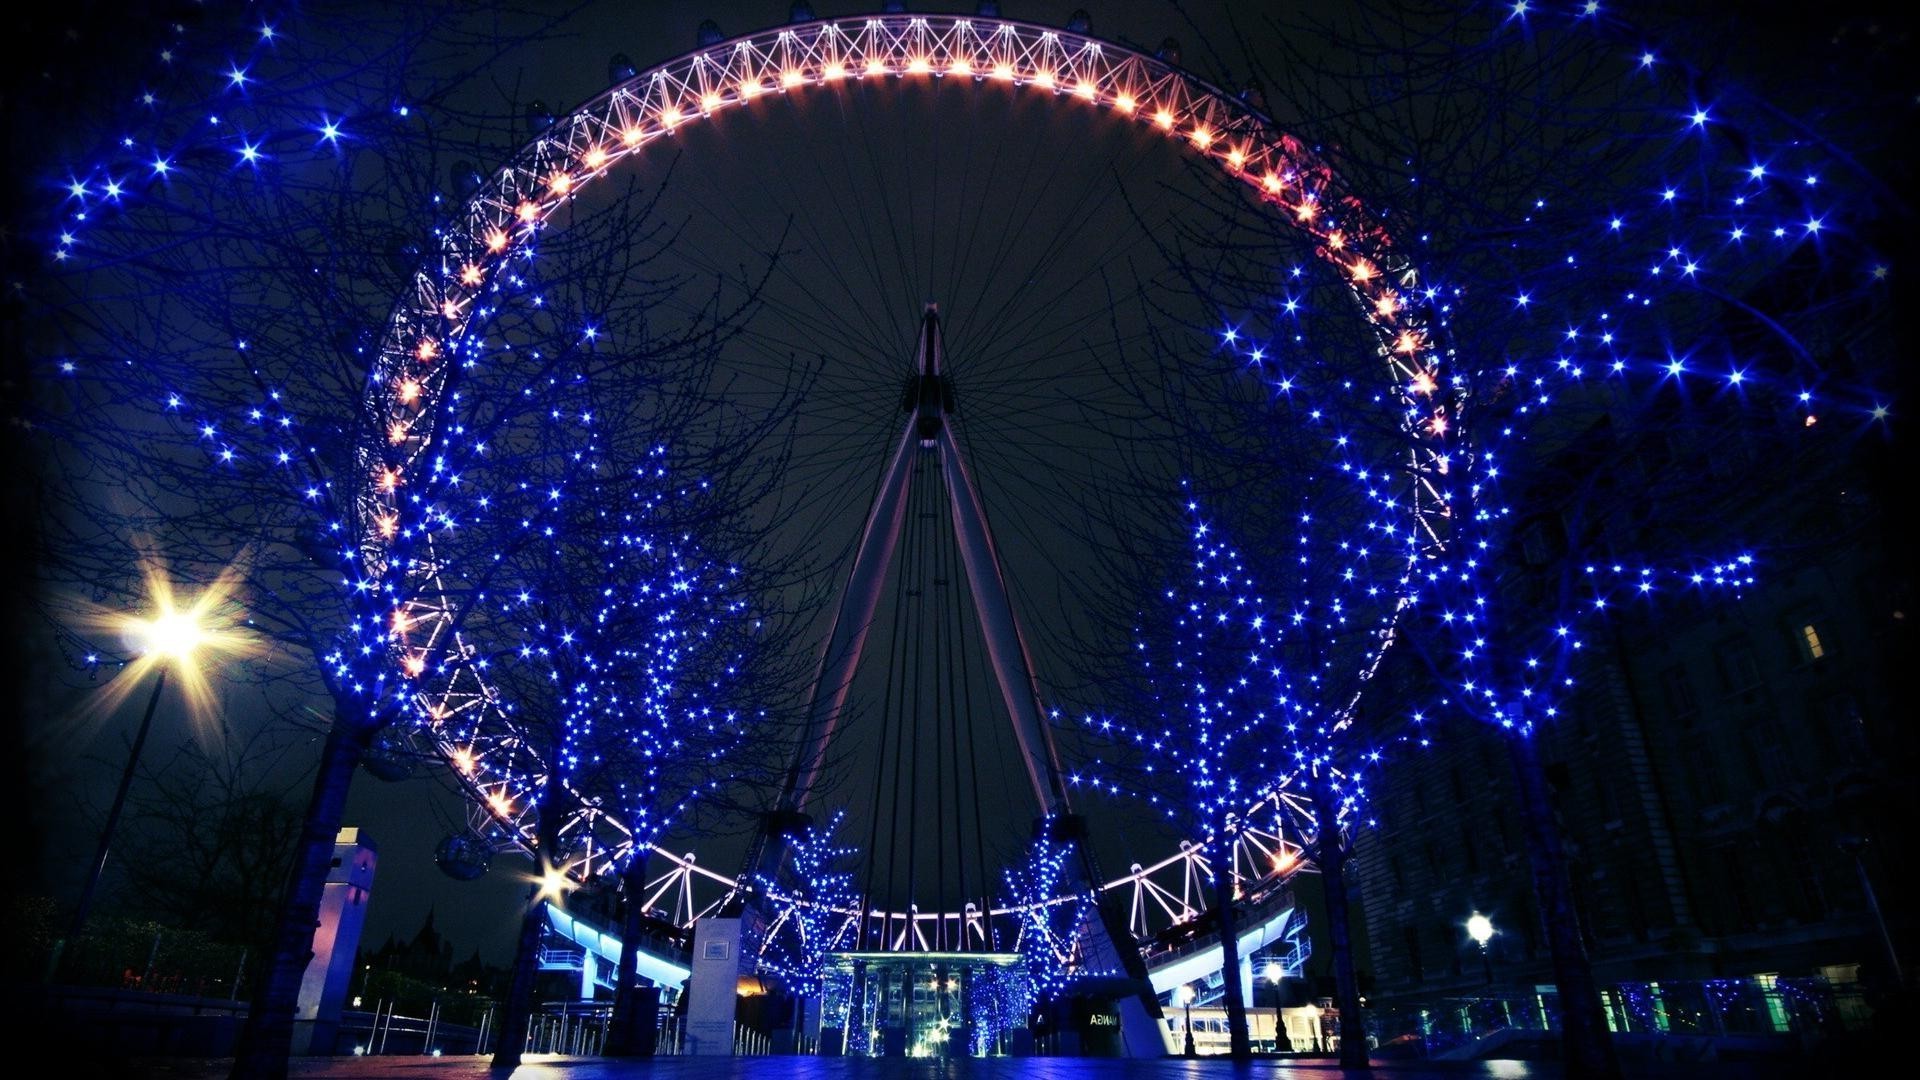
point(819, 910)
point(1051, 918)
point(203, 335)
point(690, 733)
point(1646, 288)
point(1244, 687)
point(627, 658)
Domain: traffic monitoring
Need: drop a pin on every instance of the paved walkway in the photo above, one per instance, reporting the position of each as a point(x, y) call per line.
point(544, 1067)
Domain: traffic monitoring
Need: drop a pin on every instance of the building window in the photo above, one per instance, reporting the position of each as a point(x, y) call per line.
point(1682, 707)
point(1739, 670)
point(1811, 648)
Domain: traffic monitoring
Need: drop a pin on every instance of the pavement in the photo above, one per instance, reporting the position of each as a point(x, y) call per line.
point(553, 1067)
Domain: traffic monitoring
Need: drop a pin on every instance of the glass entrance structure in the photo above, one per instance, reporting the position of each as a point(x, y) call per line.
point(924, 1004)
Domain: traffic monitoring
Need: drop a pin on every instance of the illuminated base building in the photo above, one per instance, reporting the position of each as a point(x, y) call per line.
point(1730, 774)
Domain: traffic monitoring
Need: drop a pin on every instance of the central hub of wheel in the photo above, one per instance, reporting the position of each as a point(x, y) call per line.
point(929, 393)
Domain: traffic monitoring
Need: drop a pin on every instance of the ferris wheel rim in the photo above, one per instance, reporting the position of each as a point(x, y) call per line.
point(515, 202)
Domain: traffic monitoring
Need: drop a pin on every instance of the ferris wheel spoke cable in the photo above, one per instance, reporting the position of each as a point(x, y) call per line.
point(1047, 256)
point(937, 595)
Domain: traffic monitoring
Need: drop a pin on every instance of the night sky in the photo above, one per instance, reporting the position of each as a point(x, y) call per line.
point(1032, 226)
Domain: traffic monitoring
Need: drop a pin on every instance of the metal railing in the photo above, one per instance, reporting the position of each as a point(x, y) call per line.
point(748, 1042)
point(1756, 1010)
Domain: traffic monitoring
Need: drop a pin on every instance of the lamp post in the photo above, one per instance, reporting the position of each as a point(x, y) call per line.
point(1480, 929)
point(113, 811)
point(168, 641)
point(1186, 998)
point(1855, 845)
point(1274, 973)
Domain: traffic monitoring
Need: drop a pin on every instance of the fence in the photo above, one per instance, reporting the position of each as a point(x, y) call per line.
point(571, 1029)
point(1788, 1011)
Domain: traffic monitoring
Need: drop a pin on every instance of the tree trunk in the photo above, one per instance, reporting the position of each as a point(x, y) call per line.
point(630, 1032)
point(517, 1010)
point(1330, 855)
point(1585, 1042)
point(1238, 1042)
point(266, 1042)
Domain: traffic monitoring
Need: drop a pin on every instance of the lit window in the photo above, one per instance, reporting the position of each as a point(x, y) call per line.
point(1810, 646)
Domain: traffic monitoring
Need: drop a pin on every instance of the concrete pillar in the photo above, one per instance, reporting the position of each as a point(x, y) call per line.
point(343, 911)
point(713, 986)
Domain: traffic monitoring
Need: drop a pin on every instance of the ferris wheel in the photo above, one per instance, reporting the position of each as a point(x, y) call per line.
point(871, 80)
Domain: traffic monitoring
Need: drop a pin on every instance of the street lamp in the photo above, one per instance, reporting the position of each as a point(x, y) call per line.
point(171, 640)
point(1185, 994)
point(1281, 1044)
point(1855, 845)
point(1480, 929)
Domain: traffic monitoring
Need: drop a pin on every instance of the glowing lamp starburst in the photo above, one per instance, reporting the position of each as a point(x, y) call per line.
point(1480, 929)
point(554, 883)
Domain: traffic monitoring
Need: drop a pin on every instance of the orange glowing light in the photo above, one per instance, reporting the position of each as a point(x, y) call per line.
point(409, 390)
point(670, 116)
point(1409, 342)
point(1083, 90)
point(1438, 424)
point(427, 351)
point(1003, 70)
point(710, 101)
point(450, 309)
point(791, 77)
point(1125, 103)
point(1236, 157)
point(1043, 79)
point(960, 66)
point(632, 136)
point(470, 275)
point(1201, 137)
point(834, 71)
point(1305, 212)
point(397, 432)
point(388, 525)
point(1363, 271)
point(1387, 304)
point(876, 66)
point(496, 240)
point(416, 664)
point(463, 760)
point(1163, 118)
point(1271, 183)
point(918, 65)
point(1336, 241)
point(560, 183)
point(389, 479)
point(1423, 383)
point(594, 158)
point(751, 89)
